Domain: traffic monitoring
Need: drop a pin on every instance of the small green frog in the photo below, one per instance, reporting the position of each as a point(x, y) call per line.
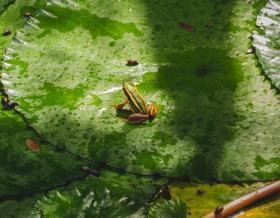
point(140, 112)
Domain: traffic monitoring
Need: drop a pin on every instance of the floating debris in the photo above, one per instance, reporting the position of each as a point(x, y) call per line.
point(219, 209)
point(27, 14)
point(210, 24)
point(203, 71)
point(251, 51)
point(200, 192)
point(86, 169)
point(7, 33)
point(33, 146)
point(186, 26)
point(162, 191)
point(131, 62)
point(6, 104)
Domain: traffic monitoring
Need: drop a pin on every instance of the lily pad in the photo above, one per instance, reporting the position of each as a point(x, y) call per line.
point(24, 208)
point(217, 117)
point(11, 20)
point(4, 4)
point(202, 199)
point(110, 195)
point(23, 170)
point(268, 208)
point(168, 209)
point(267, 40)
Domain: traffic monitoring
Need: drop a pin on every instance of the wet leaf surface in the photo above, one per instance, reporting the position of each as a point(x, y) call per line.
point(168, 209)
point(217, 116)
point(110, 195)
point(4, 4)
point(11, 20)
point(65, 68)
point(267, 40)
point(199, 205)
point(27, 168)
point(270, 208)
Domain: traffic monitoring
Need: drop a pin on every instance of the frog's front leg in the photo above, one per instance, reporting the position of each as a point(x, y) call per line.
point(120, 106)
point(137, 118)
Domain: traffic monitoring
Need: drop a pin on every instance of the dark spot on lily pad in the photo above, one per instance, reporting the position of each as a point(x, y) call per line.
point(7, 33)
point(203, 71)
point(27, 14)
point(186, 26)
point(132, 62)
point(200, 192)
point(6, 104)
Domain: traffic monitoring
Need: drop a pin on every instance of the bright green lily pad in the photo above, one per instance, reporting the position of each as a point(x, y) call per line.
point(217, 117)
point(11, 19)
point(23, 170)
point(267, 40)
point(110, 195)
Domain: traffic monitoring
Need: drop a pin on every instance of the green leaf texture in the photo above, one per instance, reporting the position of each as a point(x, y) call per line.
point(23, 170)
point(217, 118)
point(4, 4)
point(203, 198)
point(168, 209)
point(110, 195)
point(267, 40)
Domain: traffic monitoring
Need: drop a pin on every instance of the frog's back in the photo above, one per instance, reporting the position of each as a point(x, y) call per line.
point(135, 99)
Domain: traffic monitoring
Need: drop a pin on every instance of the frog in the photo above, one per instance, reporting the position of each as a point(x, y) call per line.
point(140, 111)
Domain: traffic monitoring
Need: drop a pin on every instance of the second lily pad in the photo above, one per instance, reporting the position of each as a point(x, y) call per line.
point(110, 195)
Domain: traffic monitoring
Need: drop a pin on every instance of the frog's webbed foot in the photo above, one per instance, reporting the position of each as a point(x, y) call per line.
point(137, 118)
point(152, 111)
point(120, 106)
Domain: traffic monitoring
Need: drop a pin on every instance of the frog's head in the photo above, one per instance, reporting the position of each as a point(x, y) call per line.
point(128, 85)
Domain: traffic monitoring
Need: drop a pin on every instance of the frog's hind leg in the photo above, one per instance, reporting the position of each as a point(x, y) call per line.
point(137, 118)
point(120, 106)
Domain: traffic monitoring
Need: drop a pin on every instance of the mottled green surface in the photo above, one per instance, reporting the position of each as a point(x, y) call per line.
point(168, 209)
point(67, 70)
point(4, 4)
point(267, 40)
point(10, 19)
point(25, 208)
point(24, 171)
point(111, 195)
point(268, 208)
point(65, 73)
point(201, 199)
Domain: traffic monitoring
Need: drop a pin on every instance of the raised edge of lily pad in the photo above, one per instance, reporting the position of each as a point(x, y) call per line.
point(267, 41)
